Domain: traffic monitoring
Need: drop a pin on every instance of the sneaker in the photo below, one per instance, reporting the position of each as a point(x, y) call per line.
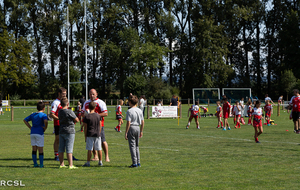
point(119, 131)
point(249, 123)
point(56, 158)
point(269, 125)
point(239, 127)
point(75, 159)
point(35, 165)
point(61, 167)
point(198, 127)
point(81, 130)
point(116, 129)
point(235, 127)
point(73, 167)
point(187, 127)
point(133, 166)
point(224, 129)
point(298, 132)
point(41, 166)
point(228, 128)
point(86, 165)
point(139, 164)
point(218, 127)
point(100, 164)
point(295, 131)
point(257, 142)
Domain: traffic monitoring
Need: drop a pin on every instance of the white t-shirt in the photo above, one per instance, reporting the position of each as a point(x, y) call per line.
point(100, 108)
point(135, 116)
point(236, 111)
point(142, 104)
point(268, 98)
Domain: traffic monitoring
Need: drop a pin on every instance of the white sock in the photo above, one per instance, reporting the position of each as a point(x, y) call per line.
point(100, 161)
point(188, 123)
point(88, 162)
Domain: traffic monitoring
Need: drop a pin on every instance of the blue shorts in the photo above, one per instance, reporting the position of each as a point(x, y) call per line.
point(66, 142)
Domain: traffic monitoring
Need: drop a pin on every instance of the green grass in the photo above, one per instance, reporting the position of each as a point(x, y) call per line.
point(171, 157)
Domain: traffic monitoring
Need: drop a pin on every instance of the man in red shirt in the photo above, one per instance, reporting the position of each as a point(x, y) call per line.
point(101, 109)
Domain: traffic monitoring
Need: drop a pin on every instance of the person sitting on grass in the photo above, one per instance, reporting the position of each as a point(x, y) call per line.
point(39, 125)
point(92, 130)
point(66, 133)
point(135, 119)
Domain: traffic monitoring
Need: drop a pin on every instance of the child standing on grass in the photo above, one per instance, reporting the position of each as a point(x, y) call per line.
point(194, 109)
point(219, 114)
point(257, 123)
point(39, 125)
point(268, 109)
point(135, 119)
point(226, 113)
point(237, 111)
point(119, 116)
point(92, 130)
point(66, 133)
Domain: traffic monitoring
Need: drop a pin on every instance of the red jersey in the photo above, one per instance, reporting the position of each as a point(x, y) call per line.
point(268, 108)
point(219, 109)
point(249, 109)
point(100, 108)
point(226, 107)
point(118, 110)
point(55, 107)
point(194, 110)
point(296, 104)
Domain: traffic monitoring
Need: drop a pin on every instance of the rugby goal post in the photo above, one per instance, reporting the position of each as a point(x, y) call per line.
point(203, 94)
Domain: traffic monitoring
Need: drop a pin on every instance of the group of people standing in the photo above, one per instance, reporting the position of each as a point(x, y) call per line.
point(225, 109)
point(92, 116)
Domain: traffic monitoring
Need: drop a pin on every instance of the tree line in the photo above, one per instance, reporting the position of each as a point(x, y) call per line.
point(152, 47)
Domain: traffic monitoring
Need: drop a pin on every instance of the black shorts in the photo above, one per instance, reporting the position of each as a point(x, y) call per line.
point(118, 117)
point(56, 129)
point(295, 115)
point(102, 135)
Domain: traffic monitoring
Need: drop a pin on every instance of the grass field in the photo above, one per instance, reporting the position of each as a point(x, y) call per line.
point(171, 157)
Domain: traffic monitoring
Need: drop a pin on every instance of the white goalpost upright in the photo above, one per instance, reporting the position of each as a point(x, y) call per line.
point(205, 94)
point(85, 46)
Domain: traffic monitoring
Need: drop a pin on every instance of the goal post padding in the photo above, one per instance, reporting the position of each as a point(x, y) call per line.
point(203, 94)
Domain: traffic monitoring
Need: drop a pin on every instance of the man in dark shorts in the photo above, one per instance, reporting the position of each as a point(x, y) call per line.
point(101, 109)
point(55, 107)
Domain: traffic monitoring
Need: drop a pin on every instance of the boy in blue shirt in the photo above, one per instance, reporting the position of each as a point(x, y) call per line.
point(39, 125)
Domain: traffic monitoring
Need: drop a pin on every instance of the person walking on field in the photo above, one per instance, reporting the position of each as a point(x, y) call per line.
point(100, 109)
point(257, 123)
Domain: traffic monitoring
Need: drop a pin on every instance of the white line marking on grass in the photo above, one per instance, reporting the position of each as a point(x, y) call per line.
point(150, 147)
point(294, 143)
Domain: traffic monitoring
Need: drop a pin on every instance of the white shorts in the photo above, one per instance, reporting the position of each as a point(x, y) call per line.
point(93, 142)
point(37, 140)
